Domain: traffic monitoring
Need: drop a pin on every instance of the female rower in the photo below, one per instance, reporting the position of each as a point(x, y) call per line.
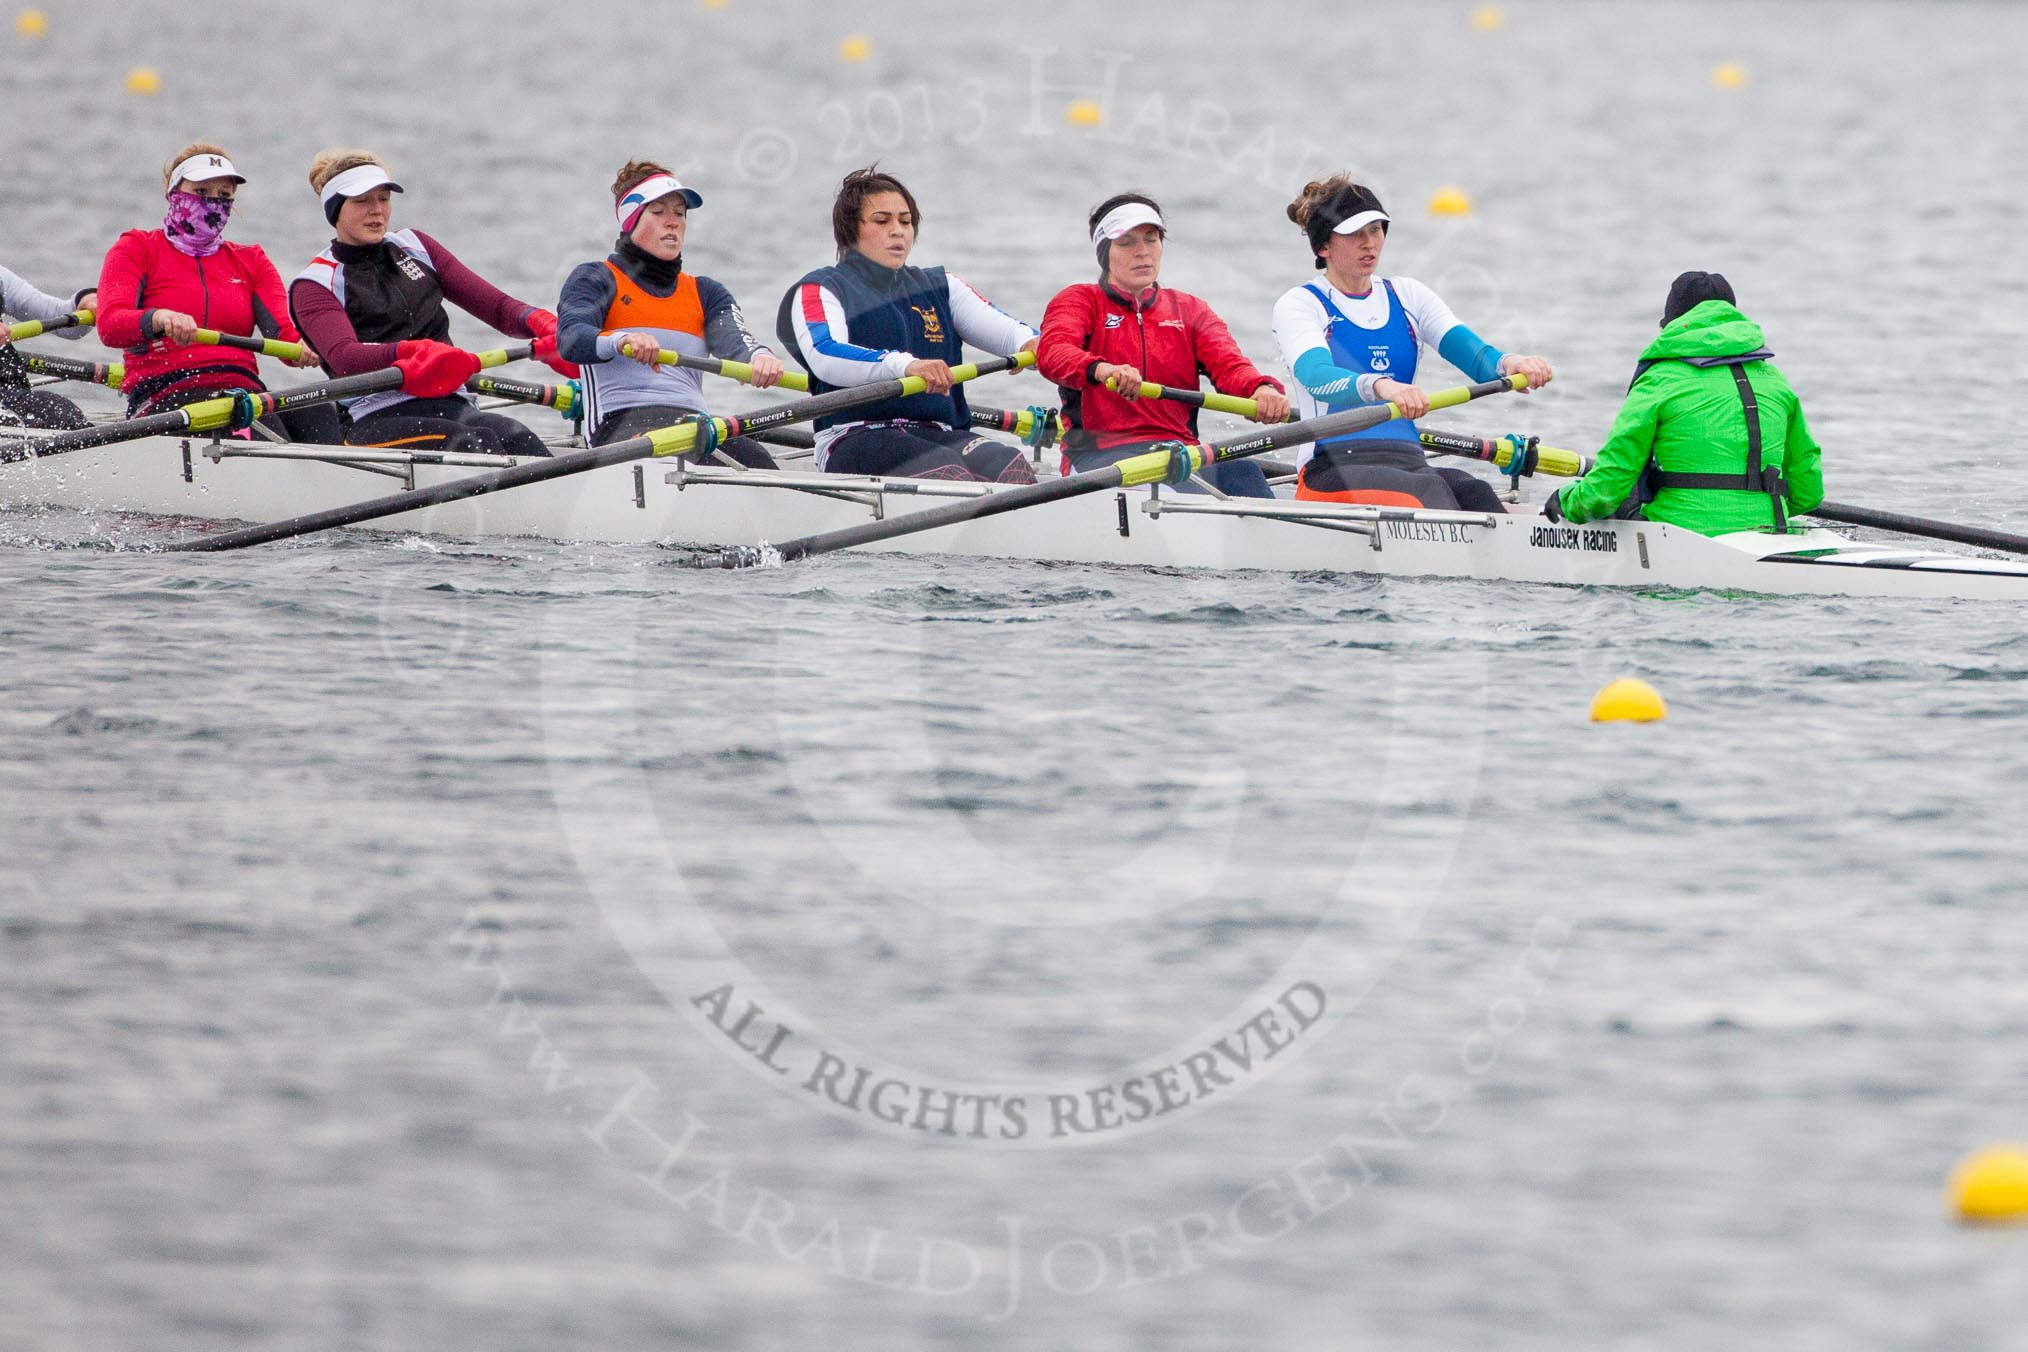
point(1710, 438)
point(638, 302)
point(1349, 341)
point(872, 317)
point(159, 287)
point(1101, 340)
point(375, 299)
point(20, 404)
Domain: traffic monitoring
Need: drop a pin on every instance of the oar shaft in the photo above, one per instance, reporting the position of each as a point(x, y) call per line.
point(1017, 421)
point(1977, 536)
point(673, 440)
point(1152, 467)
point(1501, 451)
point(35, 328)
point(213, 415)
point(562, 398)
point(91, 372)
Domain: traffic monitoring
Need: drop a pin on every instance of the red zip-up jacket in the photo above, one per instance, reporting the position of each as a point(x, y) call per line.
point(1170, 338)
point(235, 290)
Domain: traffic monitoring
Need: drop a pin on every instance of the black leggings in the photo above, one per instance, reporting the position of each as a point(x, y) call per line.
point(629, 423)
point(1399, 467)
point(21, 406)
point(920, 450)
point(443, 425)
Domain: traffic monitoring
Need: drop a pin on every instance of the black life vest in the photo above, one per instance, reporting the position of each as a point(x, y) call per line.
point(1758, 478)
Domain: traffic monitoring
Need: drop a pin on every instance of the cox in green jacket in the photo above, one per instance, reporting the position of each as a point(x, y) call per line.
point(1690, 419)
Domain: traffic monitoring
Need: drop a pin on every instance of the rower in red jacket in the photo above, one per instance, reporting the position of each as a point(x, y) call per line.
point(158, 287)
point(1101, 340)
point(375, 298)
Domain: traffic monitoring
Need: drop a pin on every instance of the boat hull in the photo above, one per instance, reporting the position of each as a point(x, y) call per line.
point(652, 502)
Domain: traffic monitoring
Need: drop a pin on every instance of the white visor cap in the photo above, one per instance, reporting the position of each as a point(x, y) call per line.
point(1352, 225)
point(1124, 217)
point(357, 182)
point(628, 209)
point(203, 169)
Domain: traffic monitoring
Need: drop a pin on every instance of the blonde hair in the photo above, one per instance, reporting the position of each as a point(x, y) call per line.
point(633, 174)
point(194, 148)
point(331, 163)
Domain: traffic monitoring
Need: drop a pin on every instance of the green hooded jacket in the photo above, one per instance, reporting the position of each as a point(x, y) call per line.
point(1690, 419)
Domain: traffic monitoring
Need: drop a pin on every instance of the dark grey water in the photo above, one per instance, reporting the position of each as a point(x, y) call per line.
point(1138, 959)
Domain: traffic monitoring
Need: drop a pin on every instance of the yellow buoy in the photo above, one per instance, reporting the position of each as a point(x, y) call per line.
point(143, 80)
point(1628, 700)
point(1991, 1184)
point(854, 48)
point(1450, 202)
point(1728, 75)
point(33, 23)
point(1489, 19)
point(714, 4)
point(1083, 113)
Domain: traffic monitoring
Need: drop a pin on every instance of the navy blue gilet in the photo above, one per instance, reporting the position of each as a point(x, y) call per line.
point(886, 309)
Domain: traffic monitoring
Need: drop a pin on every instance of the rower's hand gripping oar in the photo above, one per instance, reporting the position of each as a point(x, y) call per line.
point(233, 411)
point(35, 328)
point(1173, 463)
point(663, 441)
point(1035, 426)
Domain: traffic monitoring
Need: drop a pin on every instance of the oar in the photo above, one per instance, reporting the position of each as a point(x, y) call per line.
point(1500, 451)
point(1019, 422)
point(267, 347)
point(1211, 399)
point(1150, 467)
point(35, 328)
point(663, 441)
point(69, 368)
point(232, 411)
point(1570, 464)
point(563, 398)
point(1978, 536)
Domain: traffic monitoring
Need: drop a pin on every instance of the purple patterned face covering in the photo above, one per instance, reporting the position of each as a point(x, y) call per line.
point(195, 224)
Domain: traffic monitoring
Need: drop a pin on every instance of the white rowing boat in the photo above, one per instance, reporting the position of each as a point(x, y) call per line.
point(661, 502)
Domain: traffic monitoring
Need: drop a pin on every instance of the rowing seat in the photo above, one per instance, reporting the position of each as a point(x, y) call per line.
point(1365, 497)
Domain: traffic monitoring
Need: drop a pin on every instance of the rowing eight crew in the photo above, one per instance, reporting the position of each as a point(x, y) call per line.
point(375, 298)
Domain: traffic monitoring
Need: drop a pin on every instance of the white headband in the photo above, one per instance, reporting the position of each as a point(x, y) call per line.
point(358, 181)
point(629, 208)
point(1352, 225)
point(1123, 218)
point(202, 169)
